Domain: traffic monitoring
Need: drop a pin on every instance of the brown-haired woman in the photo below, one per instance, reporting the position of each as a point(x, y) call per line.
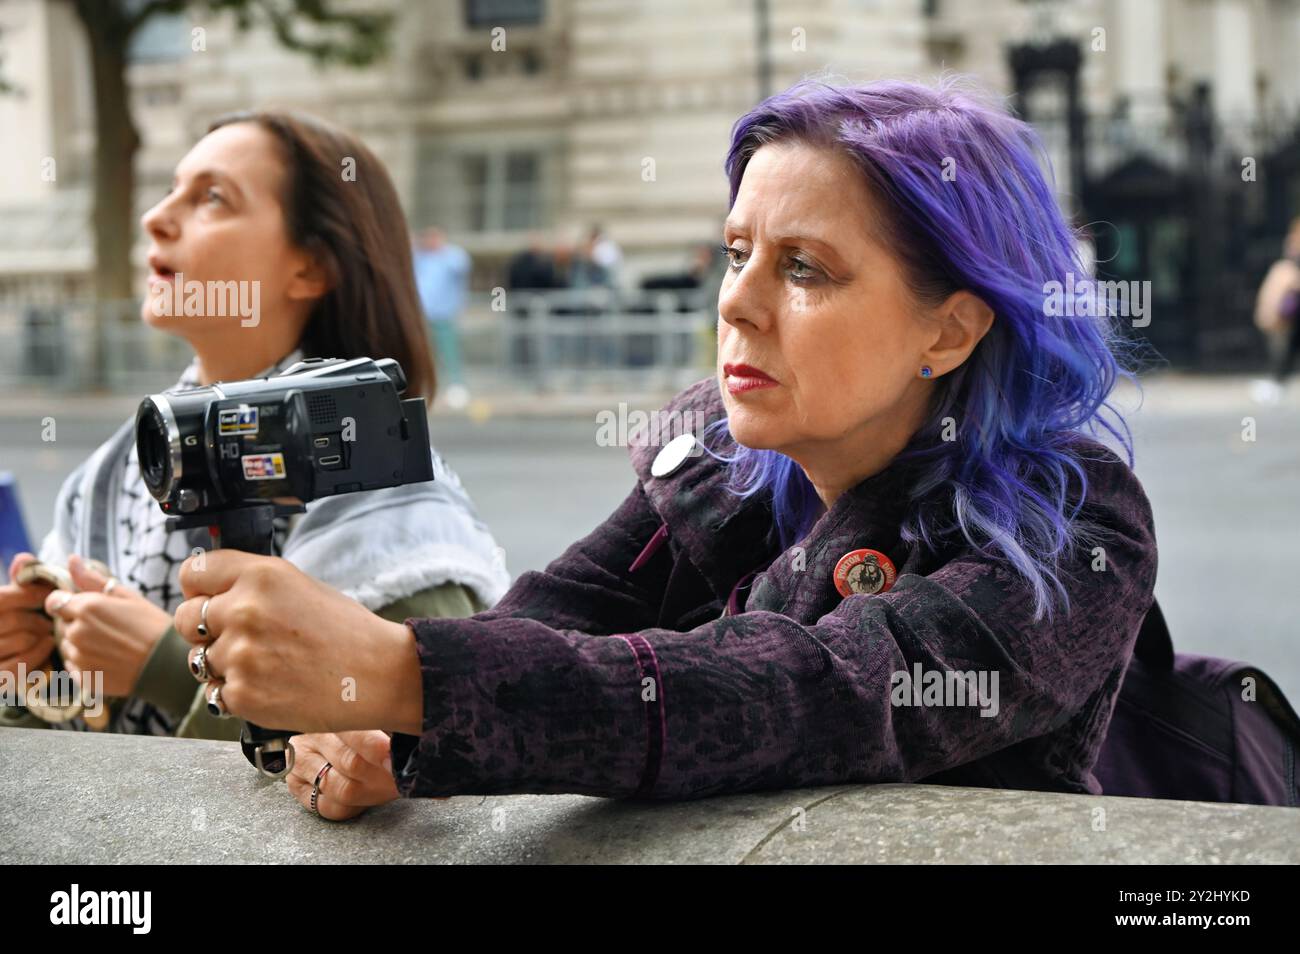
point(298, 228)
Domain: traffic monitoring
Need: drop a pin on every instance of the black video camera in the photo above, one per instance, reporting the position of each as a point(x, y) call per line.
point(325, 426)
point(233, 456)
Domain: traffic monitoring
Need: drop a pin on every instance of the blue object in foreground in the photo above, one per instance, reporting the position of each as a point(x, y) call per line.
point(13, 532)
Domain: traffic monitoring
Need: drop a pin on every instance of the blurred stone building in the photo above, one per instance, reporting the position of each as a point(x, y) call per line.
point(618, 112)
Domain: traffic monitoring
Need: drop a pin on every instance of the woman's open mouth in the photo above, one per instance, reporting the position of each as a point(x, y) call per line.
point(159, 271)
point(743, 377)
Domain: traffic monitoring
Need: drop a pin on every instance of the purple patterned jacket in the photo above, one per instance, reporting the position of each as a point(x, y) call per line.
point(599, 678)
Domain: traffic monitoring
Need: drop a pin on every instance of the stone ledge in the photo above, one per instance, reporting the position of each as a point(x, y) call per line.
point(83, 798)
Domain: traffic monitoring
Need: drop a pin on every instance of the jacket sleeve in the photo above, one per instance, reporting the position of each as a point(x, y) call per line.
point(760, 701)
point(165, 680)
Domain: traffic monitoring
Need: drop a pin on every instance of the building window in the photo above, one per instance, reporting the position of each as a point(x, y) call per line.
point(161, 38)
point(502, 190)
point(490, 13)
point(523, 190)
point(474, 182)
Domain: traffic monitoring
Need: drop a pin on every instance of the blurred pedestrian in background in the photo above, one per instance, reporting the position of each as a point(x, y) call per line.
point(605, 255)
point(442, 276)
point(533, 269)
point(568, 345)
point(584, 270)
point(704, 270)
point(702, 278)
point(1277, 307)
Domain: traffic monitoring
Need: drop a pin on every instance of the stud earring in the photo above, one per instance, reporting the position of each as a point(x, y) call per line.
point(925, 371)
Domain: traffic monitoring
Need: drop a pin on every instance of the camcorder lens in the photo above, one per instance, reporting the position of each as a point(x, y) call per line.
point(153, 450)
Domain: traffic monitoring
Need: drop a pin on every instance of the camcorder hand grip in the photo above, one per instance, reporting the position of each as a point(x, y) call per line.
point(251, 529)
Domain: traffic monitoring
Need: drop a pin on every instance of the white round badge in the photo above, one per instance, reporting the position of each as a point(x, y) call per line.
point(673, 455)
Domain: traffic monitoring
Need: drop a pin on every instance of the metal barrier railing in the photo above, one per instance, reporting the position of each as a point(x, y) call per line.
point(77, 346)
point(596, 336)
point(579, 340)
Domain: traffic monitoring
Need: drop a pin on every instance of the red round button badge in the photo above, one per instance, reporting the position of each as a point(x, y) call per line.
point(864, 571)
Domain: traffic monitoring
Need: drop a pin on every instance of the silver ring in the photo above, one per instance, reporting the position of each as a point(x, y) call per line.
point(108, 587)
point(203, 618)
point(216, 707)
point(199, 665)
point(315, 786)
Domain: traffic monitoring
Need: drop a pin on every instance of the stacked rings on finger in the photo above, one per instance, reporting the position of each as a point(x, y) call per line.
point(315, 786)
point(199, 664)
point(216, 707)
point(203, 618)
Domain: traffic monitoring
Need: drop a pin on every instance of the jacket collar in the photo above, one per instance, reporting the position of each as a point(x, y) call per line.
point(723, 535)
point(727, 537)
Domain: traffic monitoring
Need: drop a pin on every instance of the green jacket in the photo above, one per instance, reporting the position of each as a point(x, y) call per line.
point(165, 680)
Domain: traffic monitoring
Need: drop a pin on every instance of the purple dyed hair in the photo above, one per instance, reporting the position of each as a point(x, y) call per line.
point(1030, 384)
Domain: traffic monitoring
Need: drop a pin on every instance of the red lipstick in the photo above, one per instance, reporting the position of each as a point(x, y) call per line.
point(744, 377)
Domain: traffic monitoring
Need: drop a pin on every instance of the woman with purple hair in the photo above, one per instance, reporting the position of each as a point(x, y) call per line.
point(899, 478)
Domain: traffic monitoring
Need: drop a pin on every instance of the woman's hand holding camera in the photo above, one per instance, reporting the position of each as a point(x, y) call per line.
point(287, 650)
